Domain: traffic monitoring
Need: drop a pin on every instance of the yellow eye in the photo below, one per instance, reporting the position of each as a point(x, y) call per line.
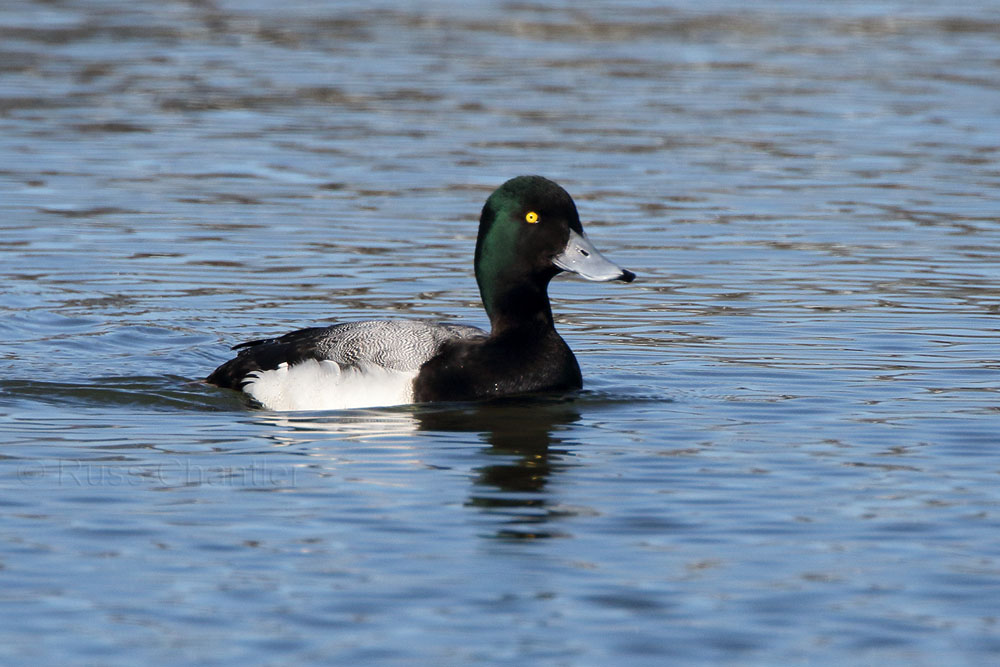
point(532, 217)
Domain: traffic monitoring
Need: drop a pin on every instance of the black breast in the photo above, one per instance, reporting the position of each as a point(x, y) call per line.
point(502, 365)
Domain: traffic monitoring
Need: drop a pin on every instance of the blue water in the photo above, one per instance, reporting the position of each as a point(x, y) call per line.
point(786, 448)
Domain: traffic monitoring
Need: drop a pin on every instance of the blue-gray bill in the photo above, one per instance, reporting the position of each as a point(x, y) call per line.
point(582, 258)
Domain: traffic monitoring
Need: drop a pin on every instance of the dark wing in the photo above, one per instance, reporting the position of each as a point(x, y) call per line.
point(267, 354)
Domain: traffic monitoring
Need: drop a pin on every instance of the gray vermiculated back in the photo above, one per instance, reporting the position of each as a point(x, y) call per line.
point(396, 344)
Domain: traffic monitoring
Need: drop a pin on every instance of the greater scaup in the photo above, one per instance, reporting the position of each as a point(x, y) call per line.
point(529, 231)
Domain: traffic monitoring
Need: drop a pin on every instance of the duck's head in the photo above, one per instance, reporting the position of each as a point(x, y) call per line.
point(530, 231)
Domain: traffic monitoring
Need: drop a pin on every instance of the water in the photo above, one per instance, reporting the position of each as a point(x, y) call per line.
point(786, 449)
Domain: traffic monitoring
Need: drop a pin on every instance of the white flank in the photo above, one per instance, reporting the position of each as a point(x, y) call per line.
point(325, 385)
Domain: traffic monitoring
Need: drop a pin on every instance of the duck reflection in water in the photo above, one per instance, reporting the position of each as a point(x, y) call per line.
point(523, 435)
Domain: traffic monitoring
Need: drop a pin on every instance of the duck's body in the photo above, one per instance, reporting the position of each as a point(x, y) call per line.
point(350, 365)
point(529, 232)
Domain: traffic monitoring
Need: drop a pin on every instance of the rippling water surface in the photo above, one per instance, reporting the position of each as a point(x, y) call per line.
point(786, 451)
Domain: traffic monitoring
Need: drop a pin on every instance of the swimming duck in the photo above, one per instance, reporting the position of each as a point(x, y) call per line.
point(529, 231)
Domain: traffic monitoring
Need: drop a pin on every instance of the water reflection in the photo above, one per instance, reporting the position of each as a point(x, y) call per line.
point(523, 452)
point(363, 424)
point(521, 433)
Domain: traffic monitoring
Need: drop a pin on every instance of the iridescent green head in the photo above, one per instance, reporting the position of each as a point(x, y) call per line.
point(528, 232)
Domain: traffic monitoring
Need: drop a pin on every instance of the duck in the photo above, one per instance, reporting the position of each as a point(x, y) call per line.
point(529, 232)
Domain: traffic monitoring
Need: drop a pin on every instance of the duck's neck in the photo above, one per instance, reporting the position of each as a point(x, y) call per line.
point(523, 306)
